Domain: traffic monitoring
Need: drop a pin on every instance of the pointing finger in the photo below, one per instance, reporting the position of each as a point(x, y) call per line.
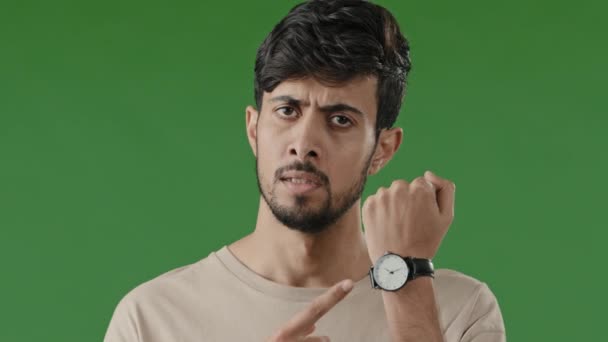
point(302, 321)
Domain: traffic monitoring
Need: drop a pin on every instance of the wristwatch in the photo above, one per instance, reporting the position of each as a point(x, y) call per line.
point(392, 271)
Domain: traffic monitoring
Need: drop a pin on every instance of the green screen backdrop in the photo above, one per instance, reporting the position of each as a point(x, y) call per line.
point(123, 151)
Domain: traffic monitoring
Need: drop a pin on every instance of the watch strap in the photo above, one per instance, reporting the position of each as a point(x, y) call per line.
point(420, 267)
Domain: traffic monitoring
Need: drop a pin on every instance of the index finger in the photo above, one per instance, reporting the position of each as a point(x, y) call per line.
point(302, 321)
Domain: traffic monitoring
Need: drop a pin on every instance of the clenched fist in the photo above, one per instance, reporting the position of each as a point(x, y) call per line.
point(409, 219)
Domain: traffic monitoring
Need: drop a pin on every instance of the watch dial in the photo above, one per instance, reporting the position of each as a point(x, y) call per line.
point(390, 271)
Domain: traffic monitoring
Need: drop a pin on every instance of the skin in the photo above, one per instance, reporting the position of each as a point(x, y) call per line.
point(289, 256)
point(339, 147)
point(410, 219)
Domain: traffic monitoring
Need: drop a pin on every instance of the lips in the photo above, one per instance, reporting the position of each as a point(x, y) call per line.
point(300, 186)
point(301, 178)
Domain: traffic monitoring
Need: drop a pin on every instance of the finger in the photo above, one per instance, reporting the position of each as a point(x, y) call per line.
point(310, 330)
point(284, 334)
point(423, 182)
point(316, 339)
point(445, 192)
point(302, 321)
point(431, 185)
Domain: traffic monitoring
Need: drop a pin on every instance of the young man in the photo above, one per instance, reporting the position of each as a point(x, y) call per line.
point(329, 82)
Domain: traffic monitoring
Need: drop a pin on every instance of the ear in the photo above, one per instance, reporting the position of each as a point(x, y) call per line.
point(251, 119)
point(389, 141)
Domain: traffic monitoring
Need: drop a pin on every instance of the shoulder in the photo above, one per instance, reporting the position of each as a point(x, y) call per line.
point(470, 302)
point(456, 287)
point(156, 300)
point(454, 283)
point(180, 281)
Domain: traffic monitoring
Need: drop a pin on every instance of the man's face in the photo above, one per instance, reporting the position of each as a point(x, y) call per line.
point(313, 151)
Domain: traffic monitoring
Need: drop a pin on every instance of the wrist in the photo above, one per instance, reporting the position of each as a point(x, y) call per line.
point(392, 271)
point(417, 252)
point(413, 287)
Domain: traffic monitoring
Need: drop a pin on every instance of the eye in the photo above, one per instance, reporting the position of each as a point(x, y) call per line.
point(342, 121)
point(286, 111)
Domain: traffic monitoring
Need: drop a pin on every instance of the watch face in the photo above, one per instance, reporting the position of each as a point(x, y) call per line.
point(390, 272)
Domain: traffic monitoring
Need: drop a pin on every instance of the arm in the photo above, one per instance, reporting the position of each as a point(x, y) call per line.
point(410, 219)
point(411, 312)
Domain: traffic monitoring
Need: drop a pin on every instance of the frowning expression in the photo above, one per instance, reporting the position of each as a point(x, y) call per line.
point(313, 146)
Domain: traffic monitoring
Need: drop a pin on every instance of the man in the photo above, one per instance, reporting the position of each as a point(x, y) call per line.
point(329, 82)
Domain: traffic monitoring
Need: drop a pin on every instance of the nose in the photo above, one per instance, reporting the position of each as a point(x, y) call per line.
point(305, 144)
point(303, 152)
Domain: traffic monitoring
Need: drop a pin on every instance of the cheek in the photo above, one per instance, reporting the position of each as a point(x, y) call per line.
point(267, 137)
point(352, 156)
point(267, 158)
point(345, 167)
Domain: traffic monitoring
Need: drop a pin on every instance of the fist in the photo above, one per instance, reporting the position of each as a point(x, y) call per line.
point(409, 219)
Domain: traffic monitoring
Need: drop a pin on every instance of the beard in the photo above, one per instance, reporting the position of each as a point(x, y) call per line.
point(303, 216)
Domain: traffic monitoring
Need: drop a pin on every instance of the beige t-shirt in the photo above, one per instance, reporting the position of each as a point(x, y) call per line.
point(218, 298)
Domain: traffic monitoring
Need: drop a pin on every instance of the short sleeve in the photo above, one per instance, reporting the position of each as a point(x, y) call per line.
point(123, 325)
point(486, 322)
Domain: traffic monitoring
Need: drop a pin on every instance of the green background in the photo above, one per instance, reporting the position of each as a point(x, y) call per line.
point(123, 151)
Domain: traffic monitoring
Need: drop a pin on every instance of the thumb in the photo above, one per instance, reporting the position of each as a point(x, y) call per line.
point(445, 192)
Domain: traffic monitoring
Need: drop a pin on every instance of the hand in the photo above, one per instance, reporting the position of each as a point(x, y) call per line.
point(409, 219)
point(303, 323)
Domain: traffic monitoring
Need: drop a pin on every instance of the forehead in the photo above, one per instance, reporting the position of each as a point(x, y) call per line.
point(359, 92)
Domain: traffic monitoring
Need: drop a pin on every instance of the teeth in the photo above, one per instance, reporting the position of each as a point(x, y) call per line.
point(299, 181)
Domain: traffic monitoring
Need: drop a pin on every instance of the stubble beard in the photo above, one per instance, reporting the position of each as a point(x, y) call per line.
point(301, 216)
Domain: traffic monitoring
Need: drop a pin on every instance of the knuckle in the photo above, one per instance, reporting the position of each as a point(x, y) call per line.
point(337, 294)
point(419, 181)
point(380, 193)
point(399, 183)
point(368, 204)
point(316, 309)
point(420, 184)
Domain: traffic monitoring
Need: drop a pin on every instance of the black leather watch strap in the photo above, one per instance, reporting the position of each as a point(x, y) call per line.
point(420, 267)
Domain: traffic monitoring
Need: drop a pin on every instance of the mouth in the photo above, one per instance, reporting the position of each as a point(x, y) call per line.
point(300, 185)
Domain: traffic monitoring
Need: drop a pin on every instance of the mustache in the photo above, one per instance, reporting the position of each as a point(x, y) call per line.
point(304, 167)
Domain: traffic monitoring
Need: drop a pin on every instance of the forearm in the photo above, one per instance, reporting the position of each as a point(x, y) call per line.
point(412, 313)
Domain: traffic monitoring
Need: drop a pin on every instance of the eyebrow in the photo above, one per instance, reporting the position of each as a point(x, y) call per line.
point(337, 107)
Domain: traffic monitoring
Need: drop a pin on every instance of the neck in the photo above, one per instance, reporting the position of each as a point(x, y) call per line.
point(292, 258)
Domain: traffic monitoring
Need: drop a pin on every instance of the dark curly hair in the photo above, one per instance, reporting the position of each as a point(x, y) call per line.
point(334, 41)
